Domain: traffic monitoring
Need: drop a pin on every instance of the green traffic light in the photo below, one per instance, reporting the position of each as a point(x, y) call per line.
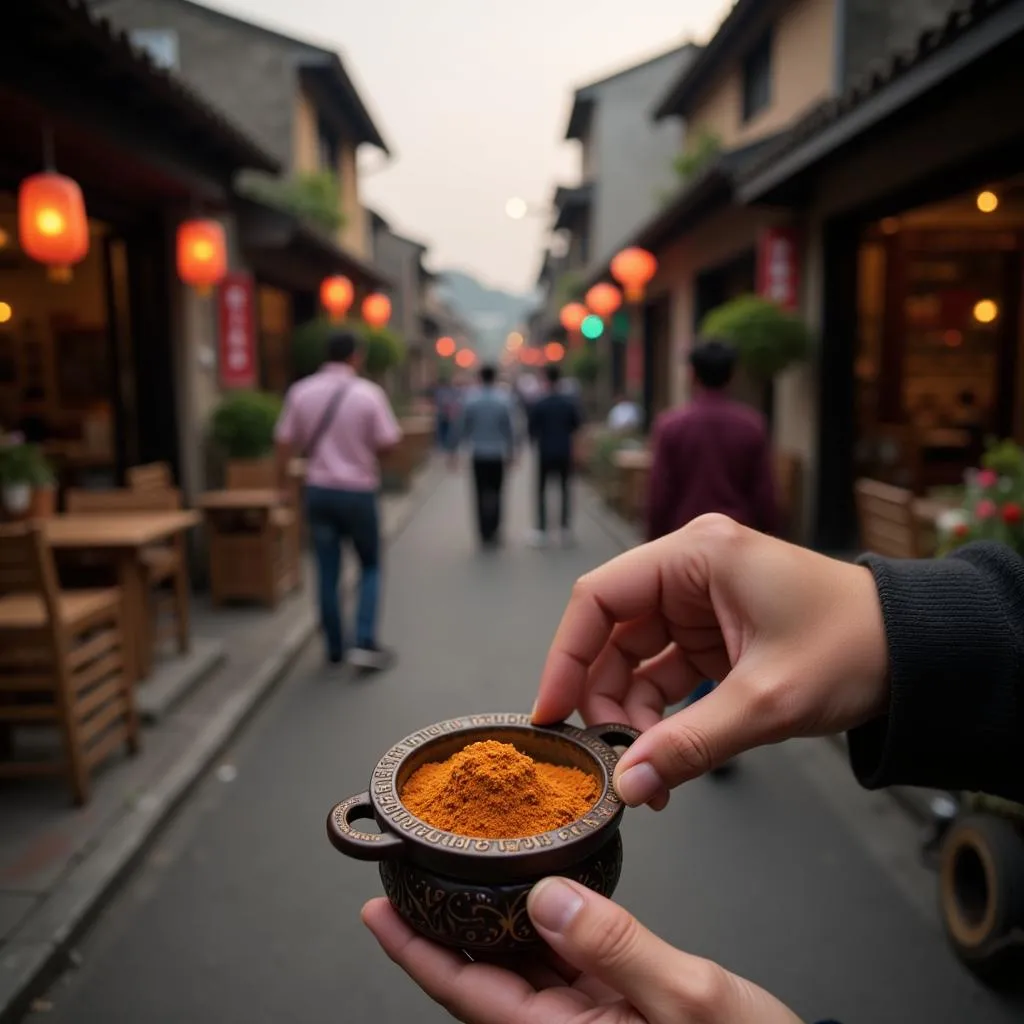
point(592, 327)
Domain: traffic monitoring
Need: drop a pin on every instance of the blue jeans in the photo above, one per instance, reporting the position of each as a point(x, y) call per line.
point(336, 516)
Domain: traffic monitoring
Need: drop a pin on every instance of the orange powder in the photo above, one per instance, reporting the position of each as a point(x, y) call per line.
point(490, 790)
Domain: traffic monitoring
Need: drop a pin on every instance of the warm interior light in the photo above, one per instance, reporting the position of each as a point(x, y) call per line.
point(986, 311)
point(4, 238)
point(890, 226)
point(987, 201)
point(5, 312)
point(49, 221)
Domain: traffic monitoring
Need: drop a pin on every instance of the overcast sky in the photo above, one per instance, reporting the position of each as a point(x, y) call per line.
point(472, 96)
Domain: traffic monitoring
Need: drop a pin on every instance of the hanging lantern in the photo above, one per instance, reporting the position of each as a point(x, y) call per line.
point(445, 347)
point(52, 224)
point(202, 254)
point(554, 352)
point(465, 358)
point(377, 310)
point(572, 315)
point(603, 299)
point(336, 295)
point(634, 268)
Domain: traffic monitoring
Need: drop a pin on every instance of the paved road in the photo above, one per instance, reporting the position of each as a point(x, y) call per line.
point(243, 912)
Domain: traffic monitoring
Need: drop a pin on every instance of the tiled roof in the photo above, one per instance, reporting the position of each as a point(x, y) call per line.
point(880, 76)
point(151, 81)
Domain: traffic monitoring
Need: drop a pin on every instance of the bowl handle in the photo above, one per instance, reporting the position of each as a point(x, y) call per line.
point(351, 841)
point(613, 734)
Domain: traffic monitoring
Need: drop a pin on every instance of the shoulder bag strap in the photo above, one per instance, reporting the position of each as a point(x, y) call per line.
point(326, 419)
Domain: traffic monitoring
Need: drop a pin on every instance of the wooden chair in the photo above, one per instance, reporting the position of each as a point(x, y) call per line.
point(166, 564)
point(61, 665)
point(259, 475)
point(154, 476)
point(888, 525)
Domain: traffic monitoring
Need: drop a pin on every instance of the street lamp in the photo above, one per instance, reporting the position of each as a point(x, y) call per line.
point(517, 208)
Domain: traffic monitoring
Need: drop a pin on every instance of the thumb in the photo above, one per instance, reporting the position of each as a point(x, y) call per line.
point(692, 742)
point(602, 939)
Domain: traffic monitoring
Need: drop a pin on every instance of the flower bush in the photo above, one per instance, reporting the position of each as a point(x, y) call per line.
point(993, 503)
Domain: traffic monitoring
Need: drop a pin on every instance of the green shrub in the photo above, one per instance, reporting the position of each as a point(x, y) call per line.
point(243, 424)
point(767, 338)
point(24, 464)
point(383, 348)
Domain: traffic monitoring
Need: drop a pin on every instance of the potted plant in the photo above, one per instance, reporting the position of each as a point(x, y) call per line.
point(992, 507)
point(768, 338)
point(242, 426)
point(26, 478)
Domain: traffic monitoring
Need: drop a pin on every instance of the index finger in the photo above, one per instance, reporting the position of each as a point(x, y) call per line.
point(621, 590)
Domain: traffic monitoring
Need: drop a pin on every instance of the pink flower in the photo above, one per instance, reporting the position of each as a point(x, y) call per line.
point(987, 478)
point(985, 509)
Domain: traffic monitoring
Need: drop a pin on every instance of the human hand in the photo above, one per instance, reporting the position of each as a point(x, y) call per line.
point(796, 639)
point(603, 967)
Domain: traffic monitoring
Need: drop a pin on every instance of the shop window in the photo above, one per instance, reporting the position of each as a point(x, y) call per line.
point(161, 44)
point(757, 78)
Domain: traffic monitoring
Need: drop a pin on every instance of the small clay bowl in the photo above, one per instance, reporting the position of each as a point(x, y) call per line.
point(471, 893)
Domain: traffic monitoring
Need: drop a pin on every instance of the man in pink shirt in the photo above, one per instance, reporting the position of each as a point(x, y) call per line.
point(340, 423)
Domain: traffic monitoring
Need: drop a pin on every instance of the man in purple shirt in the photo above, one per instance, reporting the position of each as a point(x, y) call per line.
point(712, 455)
point(340, 423)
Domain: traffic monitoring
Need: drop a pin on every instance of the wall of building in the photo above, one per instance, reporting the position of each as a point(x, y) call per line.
point(803, 63)
point(245, 72)
point(632, 154)
point(353, 231)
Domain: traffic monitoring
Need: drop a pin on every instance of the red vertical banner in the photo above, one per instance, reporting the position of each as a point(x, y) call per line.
point(778, 267)
point(236, 342)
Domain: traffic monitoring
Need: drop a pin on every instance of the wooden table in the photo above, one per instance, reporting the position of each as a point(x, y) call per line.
point(123, 535)
point(255, 544)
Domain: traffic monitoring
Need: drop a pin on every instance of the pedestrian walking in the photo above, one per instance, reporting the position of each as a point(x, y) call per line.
point(713, 455)
point(554, 420)
point(486, 426)
point(341, 423)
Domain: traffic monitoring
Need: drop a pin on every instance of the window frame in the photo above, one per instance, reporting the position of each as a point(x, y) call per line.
point(758, 62)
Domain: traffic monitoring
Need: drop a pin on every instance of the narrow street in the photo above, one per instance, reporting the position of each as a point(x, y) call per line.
point(242, 911)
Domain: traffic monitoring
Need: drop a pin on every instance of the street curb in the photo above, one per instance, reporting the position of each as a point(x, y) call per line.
point(40, 948)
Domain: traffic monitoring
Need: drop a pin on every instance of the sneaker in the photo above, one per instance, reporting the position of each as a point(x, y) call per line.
point(537, 539)
point(371, 657)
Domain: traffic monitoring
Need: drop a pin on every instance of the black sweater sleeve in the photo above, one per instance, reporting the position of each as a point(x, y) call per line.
point(955, 632)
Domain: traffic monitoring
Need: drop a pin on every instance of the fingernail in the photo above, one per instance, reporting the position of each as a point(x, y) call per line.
point(553, 903)
point(638, 784)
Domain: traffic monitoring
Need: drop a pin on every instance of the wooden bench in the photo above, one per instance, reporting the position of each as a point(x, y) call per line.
point(61, 665)
point(154, 476)
point(888, 523)
point(166, 564)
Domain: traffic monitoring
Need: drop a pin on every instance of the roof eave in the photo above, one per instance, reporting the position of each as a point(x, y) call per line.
point(338, 79)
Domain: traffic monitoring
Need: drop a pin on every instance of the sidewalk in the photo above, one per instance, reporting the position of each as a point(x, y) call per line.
point(57, 862)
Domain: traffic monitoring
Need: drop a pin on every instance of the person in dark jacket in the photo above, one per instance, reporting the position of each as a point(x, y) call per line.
point(806, 646)
point(554, 420)
point(712, 455)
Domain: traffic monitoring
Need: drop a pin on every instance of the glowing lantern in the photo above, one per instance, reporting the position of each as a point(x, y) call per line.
point(572, 315)
point(603, 299)
point(465, 358)
point(633, 268)
point(336, 295)
point(554, 352)
point(52, 224)
point(377, 310)
point(445, 347)
point(202, 254)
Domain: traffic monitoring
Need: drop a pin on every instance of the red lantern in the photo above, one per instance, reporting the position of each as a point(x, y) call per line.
point(336, 295)
point(634, 268)
point(554, 352)
point(603, 299)
point(572, 315)
point(465, 358)
point(445, 347)
point(377, 310)
point(202, 254)
point(52, 224)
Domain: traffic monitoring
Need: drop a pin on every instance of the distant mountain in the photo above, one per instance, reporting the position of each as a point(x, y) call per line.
point(491, 312)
